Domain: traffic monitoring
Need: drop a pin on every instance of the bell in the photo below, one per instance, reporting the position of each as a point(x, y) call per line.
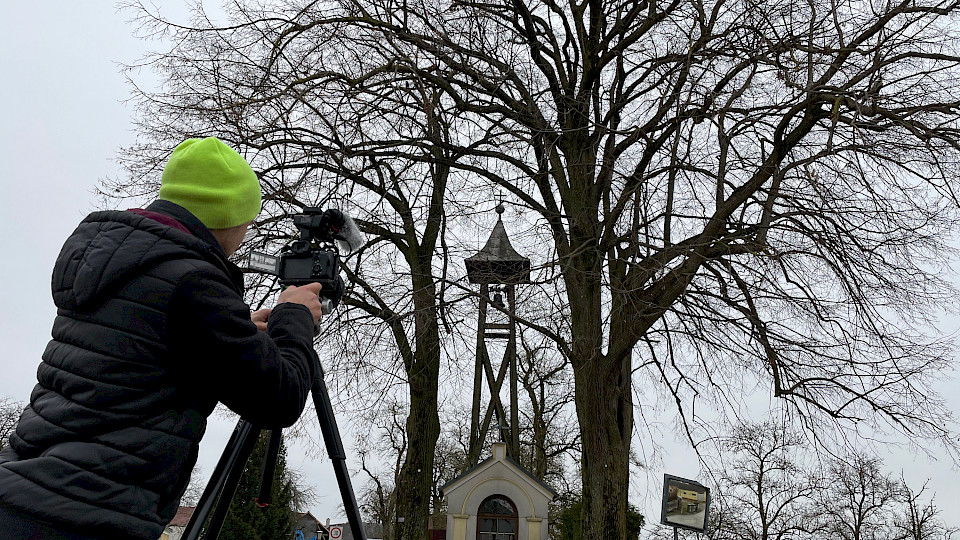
point(498, 301)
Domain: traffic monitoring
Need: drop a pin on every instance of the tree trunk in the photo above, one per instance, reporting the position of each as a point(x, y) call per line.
point(423, 429)
point(603, 399)
point(423, 422)
point(605, 411)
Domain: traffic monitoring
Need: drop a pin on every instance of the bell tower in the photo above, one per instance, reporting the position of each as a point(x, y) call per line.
point(497, 269)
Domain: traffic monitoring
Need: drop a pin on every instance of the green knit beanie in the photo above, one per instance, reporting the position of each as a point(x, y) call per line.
point(213, 182)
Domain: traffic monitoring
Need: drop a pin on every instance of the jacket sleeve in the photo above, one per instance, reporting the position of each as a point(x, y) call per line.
point(265, 377)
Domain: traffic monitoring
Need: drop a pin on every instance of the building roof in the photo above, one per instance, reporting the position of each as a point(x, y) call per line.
point(498, 262)
point(184, 513)
point(372, 531)
point(498, 247)
point(297, 516)
point(506, 459)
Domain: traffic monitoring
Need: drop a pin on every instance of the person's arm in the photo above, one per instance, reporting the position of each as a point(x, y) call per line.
point(265, 377)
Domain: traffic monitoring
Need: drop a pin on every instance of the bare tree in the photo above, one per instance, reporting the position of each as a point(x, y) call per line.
point(766, 492)
point(450, 462)
point(919, 519)
point(749, 190)
point(771, 486)
point(194, 488)
point(387, 444)
point(379, 501)
point(549, 435)
point(859, 501)
point(10, 411)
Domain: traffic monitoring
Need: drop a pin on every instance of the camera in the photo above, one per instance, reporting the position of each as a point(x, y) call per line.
point(315, 256)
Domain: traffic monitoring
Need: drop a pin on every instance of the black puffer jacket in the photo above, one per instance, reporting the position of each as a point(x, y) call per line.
point(151, 332)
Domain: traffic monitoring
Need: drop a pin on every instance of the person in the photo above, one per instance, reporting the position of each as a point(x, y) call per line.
point(151, 333)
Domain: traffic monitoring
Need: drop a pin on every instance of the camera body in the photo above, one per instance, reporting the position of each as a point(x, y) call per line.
point(315, 256)
point(300, 265)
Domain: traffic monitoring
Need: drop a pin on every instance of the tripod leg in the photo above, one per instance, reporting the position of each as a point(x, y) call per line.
point(223, 482)
point(230, 485)
point(331, 436)
point(269, 469)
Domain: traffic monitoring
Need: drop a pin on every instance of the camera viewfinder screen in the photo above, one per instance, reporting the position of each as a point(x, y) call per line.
point(298, 268)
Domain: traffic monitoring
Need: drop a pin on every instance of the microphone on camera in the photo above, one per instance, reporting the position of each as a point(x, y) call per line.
point(341, 227)
point(352, 238)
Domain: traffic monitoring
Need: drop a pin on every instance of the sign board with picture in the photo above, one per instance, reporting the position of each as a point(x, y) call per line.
point(686, 504)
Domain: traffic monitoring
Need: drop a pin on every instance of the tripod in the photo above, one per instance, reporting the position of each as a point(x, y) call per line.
point(226, 476)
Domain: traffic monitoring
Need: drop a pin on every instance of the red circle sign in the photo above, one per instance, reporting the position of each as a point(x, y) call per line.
point(335, 532)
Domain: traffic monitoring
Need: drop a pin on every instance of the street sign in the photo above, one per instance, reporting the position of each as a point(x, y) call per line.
point(336, 532)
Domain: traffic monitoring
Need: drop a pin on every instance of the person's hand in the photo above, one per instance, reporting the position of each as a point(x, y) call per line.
point(307, 295)
point(259, 318)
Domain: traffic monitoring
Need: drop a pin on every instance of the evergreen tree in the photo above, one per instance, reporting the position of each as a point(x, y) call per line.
point(570, 522)
point(245, 519)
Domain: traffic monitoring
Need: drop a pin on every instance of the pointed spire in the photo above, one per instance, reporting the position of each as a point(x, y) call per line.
point(498, 262)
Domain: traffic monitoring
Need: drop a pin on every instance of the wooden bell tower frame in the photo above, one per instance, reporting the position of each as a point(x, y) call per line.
point(498, 269)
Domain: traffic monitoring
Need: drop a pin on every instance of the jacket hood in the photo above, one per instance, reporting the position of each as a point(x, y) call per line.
point(108, 248)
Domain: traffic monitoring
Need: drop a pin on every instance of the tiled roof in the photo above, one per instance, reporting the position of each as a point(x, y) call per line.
point(184, 513)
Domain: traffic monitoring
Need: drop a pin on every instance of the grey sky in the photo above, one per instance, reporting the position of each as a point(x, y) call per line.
point(63, 121)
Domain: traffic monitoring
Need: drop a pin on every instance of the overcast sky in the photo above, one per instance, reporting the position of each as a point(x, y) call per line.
point(63, 121)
